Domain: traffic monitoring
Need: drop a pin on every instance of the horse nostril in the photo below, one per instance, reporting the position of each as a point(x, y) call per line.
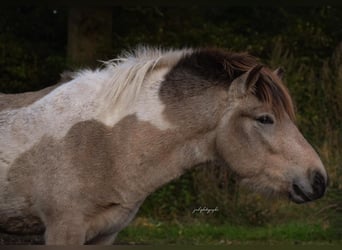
point(318, 185)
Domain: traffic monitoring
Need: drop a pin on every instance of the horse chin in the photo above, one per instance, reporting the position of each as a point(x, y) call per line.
point(271, 192)
point(258, 187)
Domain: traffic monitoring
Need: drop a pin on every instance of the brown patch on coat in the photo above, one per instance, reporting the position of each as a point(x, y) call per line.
point(103, 174)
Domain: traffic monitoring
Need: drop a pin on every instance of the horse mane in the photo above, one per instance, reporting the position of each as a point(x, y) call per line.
point(125, 75)
point(131, 68)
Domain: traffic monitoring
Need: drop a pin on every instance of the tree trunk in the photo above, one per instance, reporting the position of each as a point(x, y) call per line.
point(89, 35)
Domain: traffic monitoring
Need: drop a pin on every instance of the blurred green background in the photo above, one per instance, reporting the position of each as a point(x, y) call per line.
point(305, 41)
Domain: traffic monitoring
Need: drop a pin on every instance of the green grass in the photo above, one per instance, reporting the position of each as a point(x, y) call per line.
point(145, 231)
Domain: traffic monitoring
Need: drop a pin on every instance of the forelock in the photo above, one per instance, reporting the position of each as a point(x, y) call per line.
point(270, 89)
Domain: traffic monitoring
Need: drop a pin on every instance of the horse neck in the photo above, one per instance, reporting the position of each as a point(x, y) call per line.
point(157, 157)
point(162, 155)
point(194, 139)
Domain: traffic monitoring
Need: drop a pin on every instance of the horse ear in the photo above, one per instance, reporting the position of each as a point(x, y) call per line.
point(245, 83)
point(280, 72)
point(253, 76)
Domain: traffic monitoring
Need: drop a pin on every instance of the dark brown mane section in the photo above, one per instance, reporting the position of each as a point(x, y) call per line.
point(205, 68)
point(217, 64)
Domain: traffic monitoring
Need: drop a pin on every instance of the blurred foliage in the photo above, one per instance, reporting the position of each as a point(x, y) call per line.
point(306, 41)
point(32, 48)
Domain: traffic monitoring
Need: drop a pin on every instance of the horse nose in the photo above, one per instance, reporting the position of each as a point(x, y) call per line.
point(319, 185)
point(304, 190)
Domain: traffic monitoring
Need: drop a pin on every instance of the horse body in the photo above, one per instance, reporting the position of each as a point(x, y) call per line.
point(81, 158)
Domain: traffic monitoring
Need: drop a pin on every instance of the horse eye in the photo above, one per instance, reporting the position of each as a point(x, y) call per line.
point(265, 119)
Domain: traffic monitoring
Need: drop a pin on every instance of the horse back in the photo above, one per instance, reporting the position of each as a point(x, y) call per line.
point(15, 101)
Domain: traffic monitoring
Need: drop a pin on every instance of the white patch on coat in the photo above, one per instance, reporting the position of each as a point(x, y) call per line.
point(147, 106)
point(53, 115)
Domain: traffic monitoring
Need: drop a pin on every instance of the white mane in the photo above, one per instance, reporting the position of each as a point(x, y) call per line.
point(127, 73)
point(131, 69)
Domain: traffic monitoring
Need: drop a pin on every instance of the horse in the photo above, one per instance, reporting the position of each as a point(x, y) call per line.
point(78, 159)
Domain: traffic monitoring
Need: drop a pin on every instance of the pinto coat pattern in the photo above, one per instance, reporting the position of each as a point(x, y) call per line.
point(78, 159)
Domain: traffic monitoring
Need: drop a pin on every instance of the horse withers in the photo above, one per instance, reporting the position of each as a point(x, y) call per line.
point(78, 159)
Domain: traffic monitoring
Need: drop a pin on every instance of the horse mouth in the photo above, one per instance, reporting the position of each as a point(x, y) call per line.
point(298, 195)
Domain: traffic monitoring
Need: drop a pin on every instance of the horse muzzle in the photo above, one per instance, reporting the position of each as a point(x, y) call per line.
point(308, 190)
